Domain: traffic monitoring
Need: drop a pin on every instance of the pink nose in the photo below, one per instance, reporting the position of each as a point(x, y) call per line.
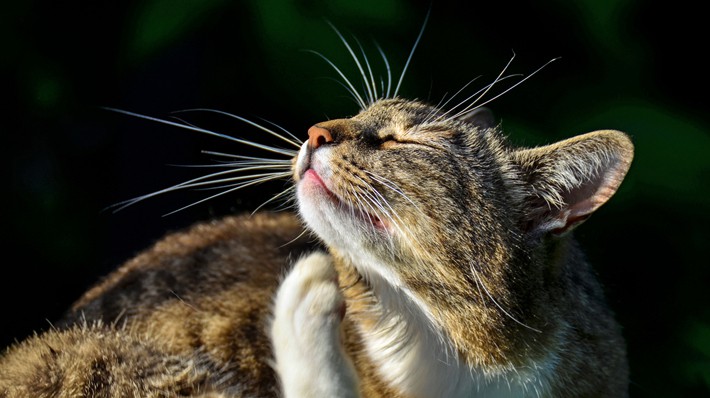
point(318, 136)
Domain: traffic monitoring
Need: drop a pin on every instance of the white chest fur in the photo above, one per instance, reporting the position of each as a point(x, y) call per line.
point(420, 361)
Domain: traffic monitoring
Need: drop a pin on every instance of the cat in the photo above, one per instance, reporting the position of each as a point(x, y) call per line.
point(443, 265)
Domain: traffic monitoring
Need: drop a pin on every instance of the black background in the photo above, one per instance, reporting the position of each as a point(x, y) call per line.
point(635, 66)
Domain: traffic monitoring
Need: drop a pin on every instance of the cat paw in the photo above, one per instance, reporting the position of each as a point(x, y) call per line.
point(306, 334)
point(309, 302)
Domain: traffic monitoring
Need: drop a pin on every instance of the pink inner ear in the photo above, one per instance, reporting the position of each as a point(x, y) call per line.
point(587, 206)
point(587, 198)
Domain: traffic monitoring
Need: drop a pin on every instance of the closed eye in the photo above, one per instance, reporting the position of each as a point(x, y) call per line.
point(391, 141)
point(388, 141)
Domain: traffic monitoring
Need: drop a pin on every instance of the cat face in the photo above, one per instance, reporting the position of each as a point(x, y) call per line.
point(400, 181)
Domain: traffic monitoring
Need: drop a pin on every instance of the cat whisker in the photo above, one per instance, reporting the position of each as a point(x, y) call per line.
point(442, 104)
point(251, 177)
point(297, 140)
point(369, 198)
point(377, 208)
point(203, 181)
point(240, 166)
point(361, 204)
point(183, 121)
point(480, 284)
point(281, 194)
point(482, 91)
point(488, 88)
point(272, 168)
point(366, 200)
point(368, 88)
point(411, 53)
point(225, 184)
point(385, 213)
point(352, 93)
point(264, 160)
point(375, 96)
point(397, 222)
point(475, 104)
point(379, 201)
point(208, 132)
point(368, 78)
point(303, 232)
point(294, 141)
point(347, 82)
point(235, 188)
point(394, 187)
point(126, 203)
point(382, 205)
point(518, 83)
point(389, 72)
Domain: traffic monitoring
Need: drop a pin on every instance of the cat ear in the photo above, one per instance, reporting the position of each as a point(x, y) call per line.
point(571, 179)
point(480, 117)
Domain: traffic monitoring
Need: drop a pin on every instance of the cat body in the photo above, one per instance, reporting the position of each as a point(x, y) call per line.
point(184, 318)
point(485, 236)
point(443, 266)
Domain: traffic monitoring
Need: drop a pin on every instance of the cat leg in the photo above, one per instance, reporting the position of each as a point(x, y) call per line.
point(306, 333)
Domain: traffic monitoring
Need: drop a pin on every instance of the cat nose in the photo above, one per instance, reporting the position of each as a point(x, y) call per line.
point(318, 136)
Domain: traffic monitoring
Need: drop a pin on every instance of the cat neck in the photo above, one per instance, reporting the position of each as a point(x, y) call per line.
point(399, 334)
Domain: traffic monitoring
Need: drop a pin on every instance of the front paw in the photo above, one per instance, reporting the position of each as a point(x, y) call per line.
point(306, 334)
point(309, 302)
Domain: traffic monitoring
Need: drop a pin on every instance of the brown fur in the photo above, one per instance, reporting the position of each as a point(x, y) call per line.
point(198, 300)
point(478, 216)
point(486, 217)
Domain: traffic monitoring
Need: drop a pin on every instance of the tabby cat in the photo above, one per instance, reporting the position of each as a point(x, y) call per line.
point(443, 266)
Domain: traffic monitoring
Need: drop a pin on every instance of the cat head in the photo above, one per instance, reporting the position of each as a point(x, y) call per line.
point(404, 182)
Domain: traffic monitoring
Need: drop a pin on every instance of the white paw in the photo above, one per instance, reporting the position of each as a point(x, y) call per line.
point(309, 306)
point(305, 332)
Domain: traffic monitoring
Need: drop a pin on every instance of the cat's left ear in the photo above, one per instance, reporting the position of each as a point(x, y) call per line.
point(571, 179)
point(480, 117)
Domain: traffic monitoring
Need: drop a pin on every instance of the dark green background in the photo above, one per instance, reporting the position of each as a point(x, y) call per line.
point(635, 66)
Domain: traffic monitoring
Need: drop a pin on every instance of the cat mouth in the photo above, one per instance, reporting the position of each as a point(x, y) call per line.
point(349, 210)
point(318, 181)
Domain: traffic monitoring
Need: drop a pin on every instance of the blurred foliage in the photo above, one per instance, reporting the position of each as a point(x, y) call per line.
point(629, 65)
point(697, 367)
point(157, 23)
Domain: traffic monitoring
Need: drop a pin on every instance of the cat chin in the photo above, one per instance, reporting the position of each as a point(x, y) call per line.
point(326, 206)
point(326, 217)
point(313, 179)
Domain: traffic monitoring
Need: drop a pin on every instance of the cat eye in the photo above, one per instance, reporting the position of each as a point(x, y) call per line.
point(388, 141)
